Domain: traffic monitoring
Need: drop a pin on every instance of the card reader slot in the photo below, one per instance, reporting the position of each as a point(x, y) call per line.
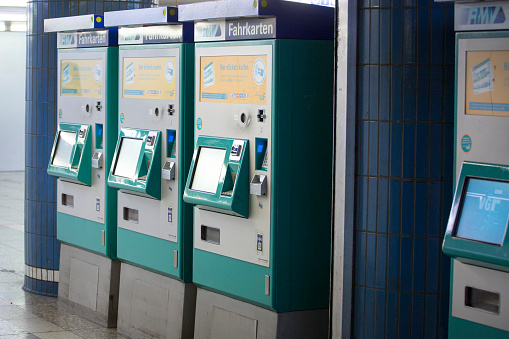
point(482, 300)
point(210, 234)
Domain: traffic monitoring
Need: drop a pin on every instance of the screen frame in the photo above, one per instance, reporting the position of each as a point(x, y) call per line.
point(196, 166)
point(471, 251)
point(460, 211)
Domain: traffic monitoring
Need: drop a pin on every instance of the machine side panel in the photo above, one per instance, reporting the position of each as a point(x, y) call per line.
point(186, 154)
point(303, 118)
point(111, 133)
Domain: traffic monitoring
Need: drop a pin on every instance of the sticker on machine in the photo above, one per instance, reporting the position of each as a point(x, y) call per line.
point(209, 75)
point(482, 77)
point(129, 74)
point(466, 143)
point(234, 79)
point(149, 78)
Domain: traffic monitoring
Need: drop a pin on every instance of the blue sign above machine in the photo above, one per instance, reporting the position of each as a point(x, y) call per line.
point(150, 35)
point(235, 29)
point(476, 17)
point(97, 38)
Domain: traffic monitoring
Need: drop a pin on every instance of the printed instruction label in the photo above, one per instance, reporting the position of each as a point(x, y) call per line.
point(487, 83)
point(149, 78)
point(234, 79)
point(81, 78)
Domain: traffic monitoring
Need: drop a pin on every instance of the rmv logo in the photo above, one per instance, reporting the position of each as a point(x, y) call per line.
point(210, 31)
point(67, 39)
point(485, 15)
point(488, 204)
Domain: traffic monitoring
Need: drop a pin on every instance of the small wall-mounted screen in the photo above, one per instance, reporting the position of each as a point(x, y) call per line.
point(208, 167)
point(127, 158)
point(63, 152)
point(484, 211)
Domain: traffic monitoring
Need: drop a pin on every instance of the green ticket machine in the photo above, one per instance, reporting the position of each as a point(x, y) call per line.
point(149, 167)
point(476, 236)
point(260, 177)
point(80, 159)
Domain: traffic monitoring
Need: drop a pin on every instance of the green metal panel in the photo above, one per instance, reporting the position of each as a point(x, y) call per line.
point(111, 131)
point(148, 252)
point(81, 233)
point(186, 154)
point(235, 278)
point(79, 167)
point(302, 130)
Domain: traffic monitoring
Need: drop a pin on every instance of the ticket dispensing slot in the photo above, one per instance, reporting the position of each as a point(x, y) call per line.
point(137, 163)
point(71, 154)
point(218, 177)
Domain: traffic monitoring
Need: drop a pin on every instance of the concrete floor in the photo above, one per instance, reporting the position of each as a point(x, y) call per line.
point(23, 314)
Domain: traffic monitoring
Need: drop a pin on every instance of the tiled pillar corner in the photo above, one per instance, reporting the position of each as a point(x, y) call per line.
point(405, 67)
point(42, 249)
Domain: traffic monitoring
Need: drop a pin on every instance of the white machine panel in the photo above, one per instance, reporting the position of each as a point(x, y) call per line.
point(86, 107)
point(239, 238)
point(472, 143)
point(157, 218)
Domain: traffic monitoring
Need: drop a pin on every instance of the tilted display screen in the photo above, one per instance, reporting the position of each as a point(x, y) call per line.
point(484, 211)
point(128, 156)
point(63, 152)
point(207, 169)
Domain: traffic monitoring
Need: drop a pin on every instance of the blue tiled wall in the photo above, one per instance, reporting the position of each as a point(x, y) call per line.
point(405, 67)
point(41, 246)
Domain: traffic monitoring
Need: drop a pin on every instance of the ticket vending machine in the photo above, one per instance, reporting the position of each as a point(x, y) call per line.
point(260, 178)
point(476, 236)
point(81, 156)
point(152, 157)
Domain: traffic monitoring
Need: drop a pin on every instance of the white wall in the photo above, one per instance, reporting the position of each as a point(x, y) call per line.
point(12, 100)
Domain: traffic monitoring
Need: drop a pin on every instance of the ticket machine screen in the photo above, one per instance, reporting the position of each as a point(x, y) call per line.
point(484, 211)
point(128, 155)
point(208, 169)
point(63, 152)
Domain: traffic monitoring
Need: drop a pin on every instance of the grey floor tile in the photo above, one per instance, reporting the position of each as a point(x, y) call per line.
point(62, 318)
point(4, 302)
point(9, 276)
point(10, 287)
point(57, 335)
point(19, 336)
point(9, 328)
point(14, 312)
point(103, 333)
point(34, 325)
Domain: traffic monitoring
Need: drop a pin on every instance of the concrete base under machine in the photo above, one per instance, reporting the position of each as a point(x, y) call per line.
point(89, 285)
point(155, 306)
point(219, 317)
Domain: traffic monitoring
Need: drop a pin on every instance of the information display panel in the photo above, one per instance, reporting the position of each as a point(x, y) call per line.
point(484, 211)
point(63, 151)
point(208, 169)
point(127, 159)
